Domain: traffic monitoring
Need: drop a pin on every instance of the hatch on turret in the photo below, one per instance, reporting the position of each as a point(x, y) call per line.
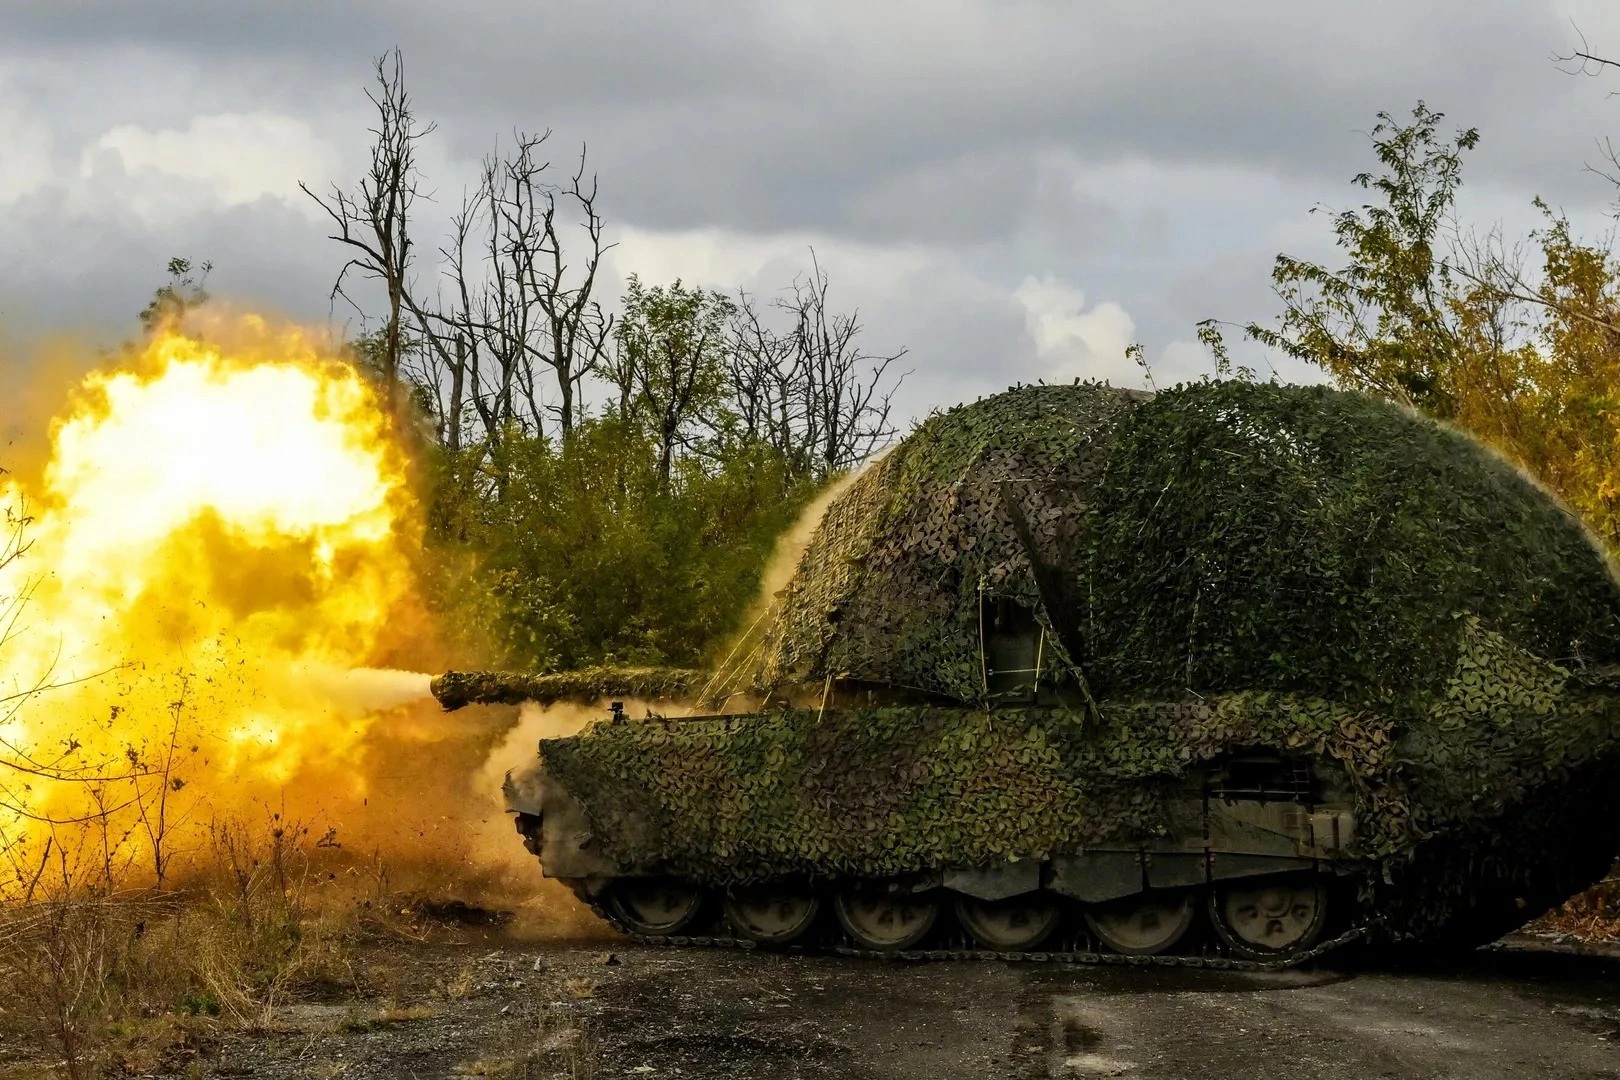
point(1264, 776)
point(1013, 640)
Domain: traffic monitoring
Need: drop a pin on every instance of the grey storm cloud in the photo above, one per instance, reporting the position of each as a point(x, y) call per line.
point(1007, 187)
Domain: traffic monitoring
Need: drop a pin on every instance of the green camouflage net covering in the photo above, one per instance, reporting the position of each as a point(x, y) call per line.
point(892, 790)
point(892, 587)
point(1216, 537)
point(1309, 539)
point(1239, 566)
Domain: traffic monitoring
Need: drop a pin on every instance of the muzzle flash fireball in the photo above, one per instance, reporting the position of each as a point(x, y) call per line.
point(213, 524)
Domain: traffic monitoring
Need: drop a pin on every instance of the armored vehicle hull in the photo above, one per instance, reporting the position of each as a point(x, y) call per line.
point(1053, 829)
point(1230, 670)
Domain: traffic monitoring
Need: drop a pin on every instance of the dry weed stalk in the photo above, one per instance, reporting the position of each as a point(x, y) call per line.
point(104, 974)
point(75, 958)
point(1592, 916)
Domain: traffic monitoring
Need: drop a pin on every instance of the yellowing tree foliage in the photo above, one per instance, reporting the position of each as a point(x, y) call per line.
point(1518, 344)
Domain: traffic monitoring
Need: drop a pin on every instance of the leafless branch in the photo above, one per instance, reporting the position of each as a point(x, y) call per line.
point(374, 221)
point(1586, 62)
point(1513, 287)
point(517, 328)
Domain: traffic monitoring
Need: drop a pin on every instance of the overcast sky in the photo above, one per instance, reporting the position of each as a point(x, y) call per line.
point(1010, 189)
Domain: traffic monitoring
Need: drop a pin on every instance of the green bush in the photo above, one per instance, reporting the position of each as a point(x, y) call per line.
point(580, 555)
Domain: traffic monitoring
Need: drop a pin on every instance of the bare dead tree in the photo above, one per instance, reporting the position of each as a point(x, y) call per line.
point(810, 391)
point(577, 331)
point(846, 404)
point(374, 220)
point(763, 367)
point(515, 332)
point(452, 341)
point(535, 315)
point(479, 340)
point(506, 321)
point(455, 358)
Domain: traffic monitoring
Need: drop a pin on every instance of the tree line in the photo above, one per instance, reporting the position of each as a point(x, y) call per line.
point(1515, 340)
point(605, 485)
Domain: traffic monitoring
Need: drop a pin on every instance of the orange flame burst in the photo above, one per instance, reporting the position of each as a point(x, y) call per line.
point(219, 536)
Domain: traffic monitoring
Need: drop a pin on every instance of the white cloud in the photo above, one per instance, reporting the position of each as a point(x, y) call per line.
point(726, 258)
point(25, 159)
point(916, 296)
point(1073, 341)
point(227, 159)
point(959, 324)
point(1182, 361)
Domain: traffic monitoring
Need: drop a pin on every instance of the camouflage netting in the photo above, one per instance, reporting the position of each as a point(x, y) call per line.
point(1214, 537)
point(458, 689)
point(1236, 566)
point(892, 586)
point(1305, 538)
point(902, 789)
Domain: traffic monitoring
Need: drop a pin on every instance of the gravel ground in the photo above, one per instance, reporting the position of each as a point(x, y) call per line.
point(577, 1010)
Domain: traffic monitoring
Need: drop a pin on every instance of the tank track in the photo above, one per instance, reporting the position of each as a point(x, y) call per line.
point(1215, 962)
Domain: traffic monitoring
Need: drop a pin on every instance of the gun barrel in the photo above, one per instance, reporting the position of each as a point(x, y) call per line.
point(458, 689)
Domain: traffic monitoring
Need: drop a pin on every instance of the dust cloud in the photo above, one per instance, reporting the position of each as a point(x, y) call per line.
point(501, 868)
point(734, 666)
point(789, 550)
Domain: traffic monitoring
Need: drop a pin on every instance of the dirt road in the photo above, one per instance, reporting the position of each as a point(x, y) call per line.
point(571, 1011)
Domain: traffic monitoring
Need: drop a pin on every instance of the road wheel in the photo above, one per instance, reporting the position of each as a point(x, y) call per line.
point(1145, 924)
point(655, 906)
point(1270, 918)
point(1011, 925)
point(772, 914)
point(887, 922)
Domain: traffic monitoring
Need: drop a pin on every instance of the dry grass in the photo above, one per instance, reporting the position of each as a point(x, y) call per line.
point(102, 982)
point(99, 979)
point(399, 1014)
point(388, 1014)
point(1593, 916)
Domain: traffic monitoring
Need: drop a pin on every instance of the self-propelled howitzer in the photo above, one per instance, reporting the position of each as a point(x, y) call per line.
point(1231, 669)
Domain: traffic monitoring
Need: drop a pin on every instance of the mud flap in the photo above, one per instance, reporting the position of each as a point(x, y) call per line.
point(1096, 876)
point(996, 882)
